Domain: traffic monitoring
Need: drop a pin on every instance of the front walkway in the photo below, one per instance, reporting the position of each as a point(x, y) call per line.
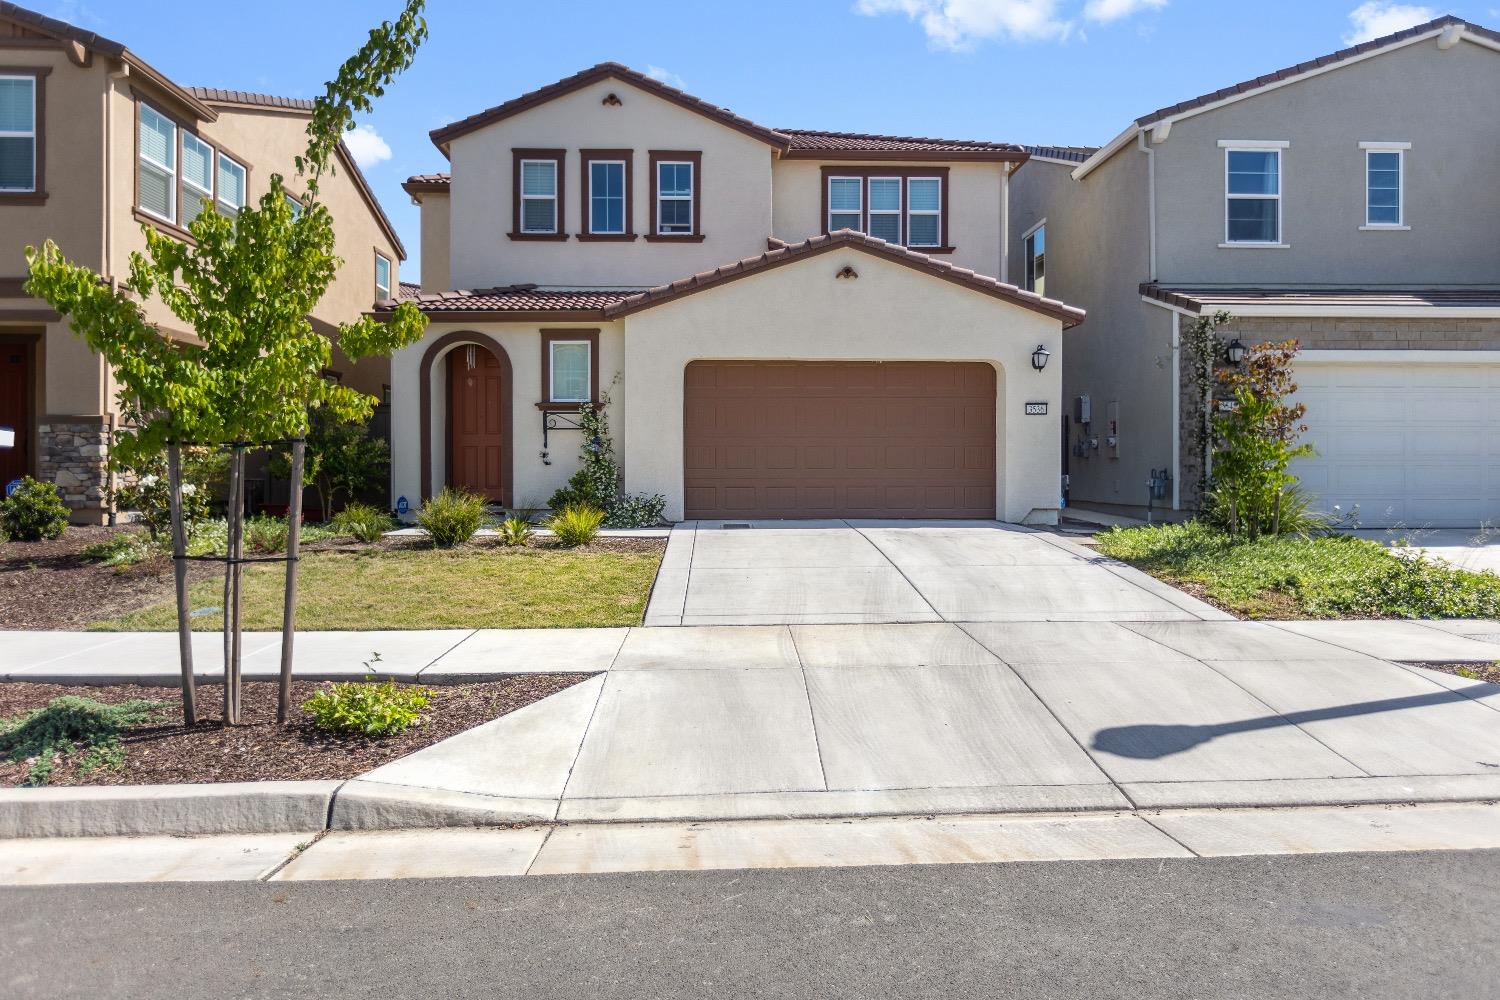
point(868, 572)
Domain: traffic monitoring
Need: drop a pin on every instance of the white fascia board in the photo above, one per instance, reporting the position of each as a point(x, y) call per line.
point(1254, 144)
point(1115, 145)
point(1398, 357)
point(1280, 310)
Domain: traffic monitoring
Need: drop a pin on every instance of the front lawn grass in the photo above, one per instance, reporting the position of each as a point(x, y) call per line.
point(487, 587)
point(1335, 576)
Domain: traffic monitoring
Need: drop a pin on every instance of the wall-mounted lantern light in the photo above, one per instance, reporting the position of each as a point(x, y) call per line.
point(1235, 352)
point(1039, 357)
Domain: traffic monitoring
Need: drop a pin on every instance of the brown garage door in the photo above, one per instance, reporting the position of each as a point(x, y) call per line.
point(839, 439)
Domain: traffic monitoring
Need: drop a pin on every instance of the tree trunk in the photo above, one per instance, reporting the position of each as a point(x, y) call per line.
point(231, 714)
point(179, 570)
point(239, 578)
point(289, 608)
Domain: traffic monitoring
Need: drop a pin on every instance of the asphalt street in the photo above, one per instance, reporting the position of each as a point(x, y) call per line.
point(1355, 925)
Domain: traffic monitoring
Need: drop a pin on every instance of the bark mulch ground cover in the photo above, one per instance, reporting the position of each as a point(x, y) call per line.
point(260, 750)
point(1486, 672)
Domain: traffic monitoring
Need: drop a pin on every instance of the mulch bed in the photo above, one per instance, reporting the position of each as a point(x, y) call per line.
point(1487, 672)
point(52, 585)
point(258, 749)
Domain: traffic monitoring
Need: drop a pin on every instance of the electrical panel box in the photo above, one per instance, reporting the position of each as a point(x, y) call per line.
point(1082, 411)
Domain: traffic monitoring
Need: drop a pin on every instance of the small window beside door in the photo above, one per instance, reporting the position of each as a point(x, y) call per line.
point(570, 366)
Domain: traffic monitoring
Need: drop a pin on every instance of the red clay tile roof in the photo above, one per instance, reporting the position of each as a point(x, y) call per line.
point(1198, 299)
point(594, 74)
point(1318, 63)
point(1069, 315)
point(810, 144)
point(507, 299)
point(245, 98)
point(420, 183)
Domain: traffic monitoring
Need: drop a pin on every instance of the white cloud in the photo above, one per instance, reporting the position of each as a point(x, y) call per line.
point(1105, 11)
point(961, 24)
point(665, 76)
point(1377, 18)
point(366, 146)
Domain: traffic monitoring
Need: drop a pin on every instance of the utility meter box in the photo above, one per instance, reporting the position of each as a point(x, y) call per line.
point(1082, 412)
point(1112, 428)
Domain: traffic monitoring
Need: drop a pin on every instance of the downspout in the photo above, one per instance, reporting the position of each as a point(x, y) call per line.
point(1145, 146)
point(1176, 410)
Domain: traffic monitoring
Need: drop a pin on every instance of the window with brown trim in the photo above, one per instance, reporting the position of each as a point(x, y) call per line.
point(676, 195)
point(570, 367)
point(606, 181)
point(903, 205)
point(23, 134)
point(537, 205)
point(177, 171)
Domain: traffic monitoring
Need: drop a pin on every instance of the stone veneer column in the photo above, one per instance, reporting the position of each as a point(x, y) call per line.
point(75, 455)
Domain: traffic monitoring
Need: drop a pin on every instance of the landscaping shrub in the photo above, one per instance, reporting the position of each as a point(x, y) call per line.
point(451, 517)
point(124, 548)
point(367, 709)
point(576, 524)
point(341, 460)
point(147, 493)
point(635, 510)
point(33, 512)
point(362, 522)
point(266, 535)
point(515, 531)
point(72, 724)
point(597, 480)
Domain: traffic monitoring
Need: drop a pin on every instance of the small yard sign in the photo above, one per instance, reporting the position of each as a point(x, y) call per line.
point(1036, 409)
point(7, 437)
point(402, 506)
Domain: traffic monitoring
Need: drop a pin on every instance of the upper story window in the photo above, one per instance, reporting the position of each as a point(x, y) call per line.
point(899, 205)
point(21, 132)
point(676, 195)
point(1385, 184)
point(570, 365)
point(197, 176)
point(607, 193)
point(231, 186)
point(157, 165)
point(1036, 259)
point(1252, 198)
point(382, 277)
point(537, 194)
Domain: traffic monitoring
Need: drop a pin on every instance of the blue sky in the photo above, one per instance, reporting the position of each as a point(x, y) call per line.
point(1044, 71)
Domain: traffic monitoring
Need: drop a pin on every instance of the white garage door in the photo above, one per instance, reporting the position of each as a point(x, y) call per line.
point(1414, 444)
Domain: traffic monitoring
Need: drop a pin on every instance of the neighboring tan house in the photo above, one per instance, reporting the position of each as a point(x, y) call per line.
point(762, 357)
point(94, 143)
point(1348, 202)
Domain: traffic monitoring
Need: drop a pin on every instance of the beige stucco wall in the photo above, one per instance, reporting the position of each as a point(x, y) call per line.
point(534, 480)
point(736, 193)
point(974, 198)
point(800, 312)
point(437, 241)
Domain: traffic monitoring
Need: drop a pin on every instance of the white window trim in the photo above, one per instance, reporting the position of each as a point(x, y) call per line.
point(172, 172)
point(378, 286)
point(899, 211)
point(860, 211)
point(244, 182)
point(1257, 146)
point(588, 371)
point(32, 135)
point(521, 185)
point(1026, 256)
point(662, 197)
point(213, 169)
point(1399, 148)
point(624, 198)
point(936, 213)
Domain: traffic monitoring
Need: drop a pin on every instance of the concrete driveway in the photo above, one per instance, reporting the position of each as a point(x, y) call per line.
point(872, 572)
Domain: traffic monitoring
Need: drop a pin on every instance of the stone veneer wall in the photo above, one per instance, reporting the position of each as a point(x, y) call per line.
point(1327, 334)
point(75, 457)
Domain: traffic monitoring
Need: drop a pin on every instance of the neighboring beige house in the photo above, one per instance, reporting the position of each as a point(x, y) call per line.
point(94, 143)
point(1348, 202)
point(762, 356)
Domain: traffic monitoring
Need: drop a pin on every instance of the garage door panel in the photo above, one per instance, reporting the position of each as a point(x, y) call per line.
point(829, 439)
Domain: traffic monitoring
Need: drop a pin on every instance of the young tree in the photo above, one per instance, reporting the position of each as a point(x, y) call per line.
point(246, 287)
point(343, 460)
point(1258, 441)
point(1204, 348)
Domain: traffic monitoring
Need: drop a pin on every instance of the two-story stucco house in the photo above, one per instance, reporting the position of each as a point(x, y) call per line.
point(762, 355)
point(94, 143)
point(1348, 202)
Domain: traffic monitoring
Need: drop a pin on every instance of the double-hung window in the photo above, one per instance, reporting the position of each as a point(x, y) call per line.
point(231, 197)
point(885, 209)
point(568, 357)
point(157, 165)
point(924, 222)
point(539, 196)
point(1036, 260)
point(674, 198)
point(382, 277)
point(197, 176)
point(1252, 193)
point(902, 206)
point(1385, 184)
point(608, 196)
point(846, 203)
point(18, 134)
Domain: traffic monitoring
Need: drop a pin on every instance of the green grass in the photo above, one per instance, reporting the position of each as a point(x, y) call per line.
point(1289, 577)
point(125, 548)
point(473, 587)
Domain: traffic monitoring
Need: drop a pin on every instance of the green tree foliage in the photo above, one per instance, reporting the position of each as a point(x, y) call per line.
point(343, 461)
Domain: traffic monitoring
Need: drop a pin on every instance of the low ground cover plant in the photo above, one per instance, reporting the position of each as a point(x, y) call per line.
point(576, 524)
point(35, 511)
point(73, 725)
point(367, 709)
point(362, 522)
point(452, 517)
point(1332, 576)
point(515, 531)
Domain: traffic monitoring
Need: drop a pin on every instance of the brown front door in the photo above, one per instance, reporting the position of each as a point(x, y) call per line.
point(475, 450)
point(839, 439)
point(15, 409)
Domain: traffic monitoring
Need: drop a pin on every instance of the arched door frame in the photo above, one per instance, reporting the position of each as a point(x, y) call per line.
point(435, 352)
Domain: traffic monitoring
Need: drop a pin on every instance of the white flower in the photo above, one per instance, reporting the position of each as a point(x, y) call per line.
point(147, 481)
point(188, 489)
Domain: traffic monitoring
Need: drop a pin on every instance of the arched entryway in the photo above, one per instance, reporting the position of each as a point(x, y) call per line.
point(473, 374)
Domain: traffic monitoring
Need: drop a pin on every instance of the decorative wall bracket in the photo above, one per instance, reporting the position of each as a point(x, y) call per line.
point(558, 420)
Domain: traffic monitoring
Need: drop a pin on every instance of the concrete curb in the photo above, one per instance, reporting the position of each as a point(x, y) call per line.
point(140, 810)
point(373, 805)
